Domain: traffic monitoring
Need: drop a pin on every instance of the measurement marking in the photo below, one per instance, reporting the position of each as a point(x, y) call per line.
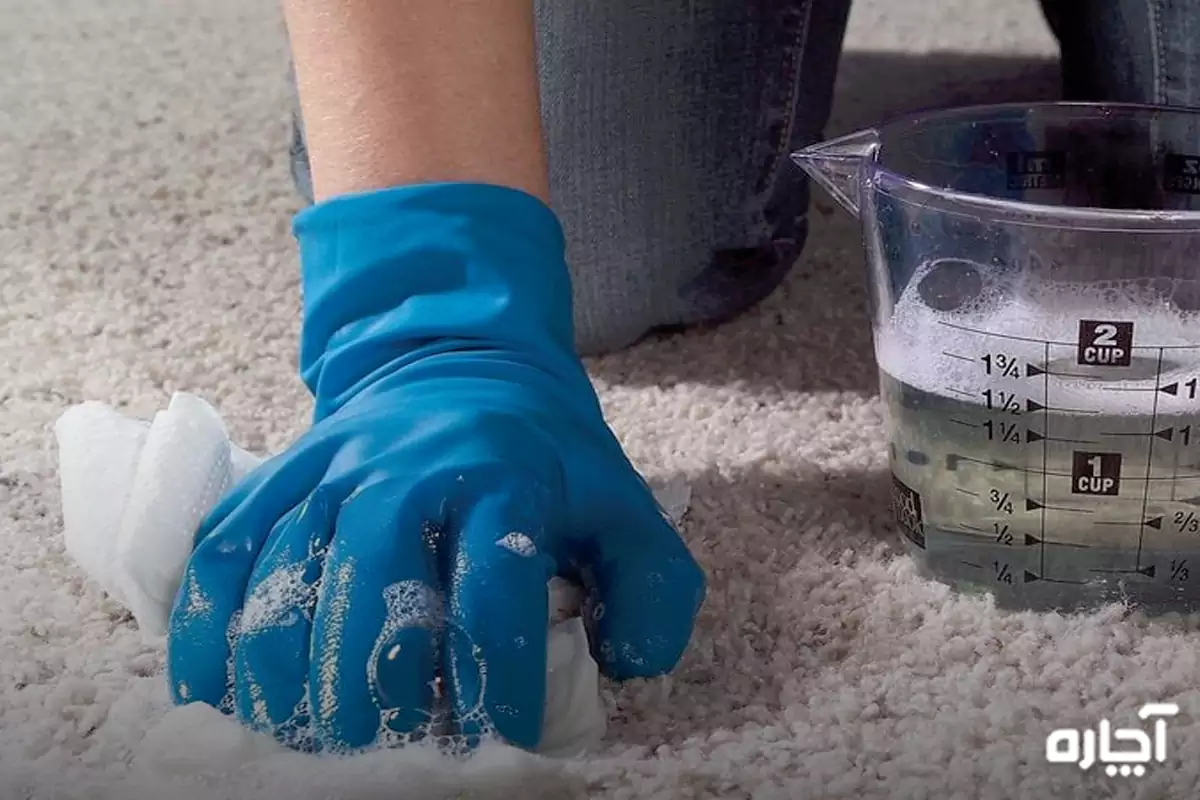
point(1175, 468)
point(966, 491)
point(1030, 578)
point(970, 564)
point(1048, 472)
point(1149, 458)
point(1033, 405)
point(964, 423)
point(1123, 433)
point(1147, 572)
point(959, 392)
point(1057, 474)
point(1004, 432)
point(1004, 402)
point(1049, 342)
point(1045, 472)
point(1033, 436)
point(1045, 459)
point(1057, 374)
point(1069, 509)
point(963, 532)
point(996, 465)
point(959, 356)
point(1043, 543)
point(1033, 505)
point(1130, 479)
point(1128, 388)
point(1000, 465)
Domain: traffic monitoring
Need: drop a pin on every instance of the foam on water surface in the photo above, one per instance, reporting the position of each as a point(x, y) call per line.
point(1023, 325)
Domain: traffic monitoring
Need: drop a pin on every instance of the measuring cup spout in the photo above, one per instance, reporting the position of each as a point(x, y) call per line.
point(837, 165)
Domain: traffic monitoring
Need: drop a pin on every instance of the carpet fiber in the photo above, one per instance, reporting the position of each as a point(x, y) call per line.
point(144, 248)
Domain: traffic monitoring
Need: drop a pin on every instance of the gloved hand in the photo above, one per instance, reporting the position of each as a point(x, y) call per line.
point(458, 459)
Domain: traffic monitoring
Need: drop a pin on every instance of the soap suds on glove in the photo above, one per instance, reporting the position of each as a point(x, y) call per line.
point(133, 495)
point(276, 601)
point(518, 543)
point(410, 604)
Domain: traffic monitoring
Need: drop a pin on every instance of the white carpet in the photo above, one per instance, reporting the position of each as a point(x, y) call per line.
point(144, 248)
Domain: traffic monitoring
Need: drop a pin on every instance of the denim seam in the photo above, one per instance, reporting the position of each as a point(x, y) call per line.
point(1153, 9)
point(781, 146)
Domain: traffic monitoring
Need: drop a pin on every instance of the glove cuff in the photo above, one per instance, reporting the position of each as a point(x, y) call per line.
point(390, 275)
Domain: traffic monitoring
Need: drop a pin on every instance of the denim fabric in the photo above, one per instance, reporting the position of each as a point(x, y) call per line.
point(1137, 51)
point(669, 124)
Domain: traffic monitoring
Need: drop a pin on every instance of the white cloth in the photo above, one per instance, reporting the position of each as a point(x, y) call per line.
point(135, 492)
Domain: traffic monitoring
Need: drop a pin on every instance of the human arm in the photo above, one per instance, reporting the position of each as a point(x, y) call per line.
point(396, 92)
point(458, 457)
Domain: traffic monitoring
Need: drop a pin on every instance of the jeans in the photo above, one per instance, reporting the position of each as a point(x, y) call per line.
point(669, 123)
point(1132, 51)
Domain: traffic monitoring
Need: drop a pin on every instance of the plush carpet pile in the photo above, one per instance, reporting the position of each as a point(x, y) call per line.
point(144, 248)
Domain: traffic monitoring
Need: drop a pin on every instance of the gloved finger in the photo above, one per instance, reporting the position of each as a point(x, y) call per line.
point(214, 582)
point(229, 502)
point(289, 476)
point(645, 589)
point(376, 621)
point(495, 652)
point(271, 647)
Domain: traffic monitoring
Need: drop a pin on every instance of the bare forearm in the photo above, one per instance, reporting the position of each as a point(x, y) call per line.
point(397, 92)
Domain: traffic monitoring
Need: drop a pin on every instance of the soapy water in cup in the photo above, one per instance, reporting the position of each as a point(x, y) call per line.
point(1045, 435)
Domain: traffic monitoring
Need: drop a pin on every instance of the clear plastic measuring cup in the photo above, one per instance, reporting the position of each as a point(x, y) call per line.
point(1035, 283)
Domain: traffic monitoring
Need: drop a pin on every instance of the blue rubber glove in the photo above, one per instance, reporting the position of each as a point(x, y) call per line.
point(458, 460)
